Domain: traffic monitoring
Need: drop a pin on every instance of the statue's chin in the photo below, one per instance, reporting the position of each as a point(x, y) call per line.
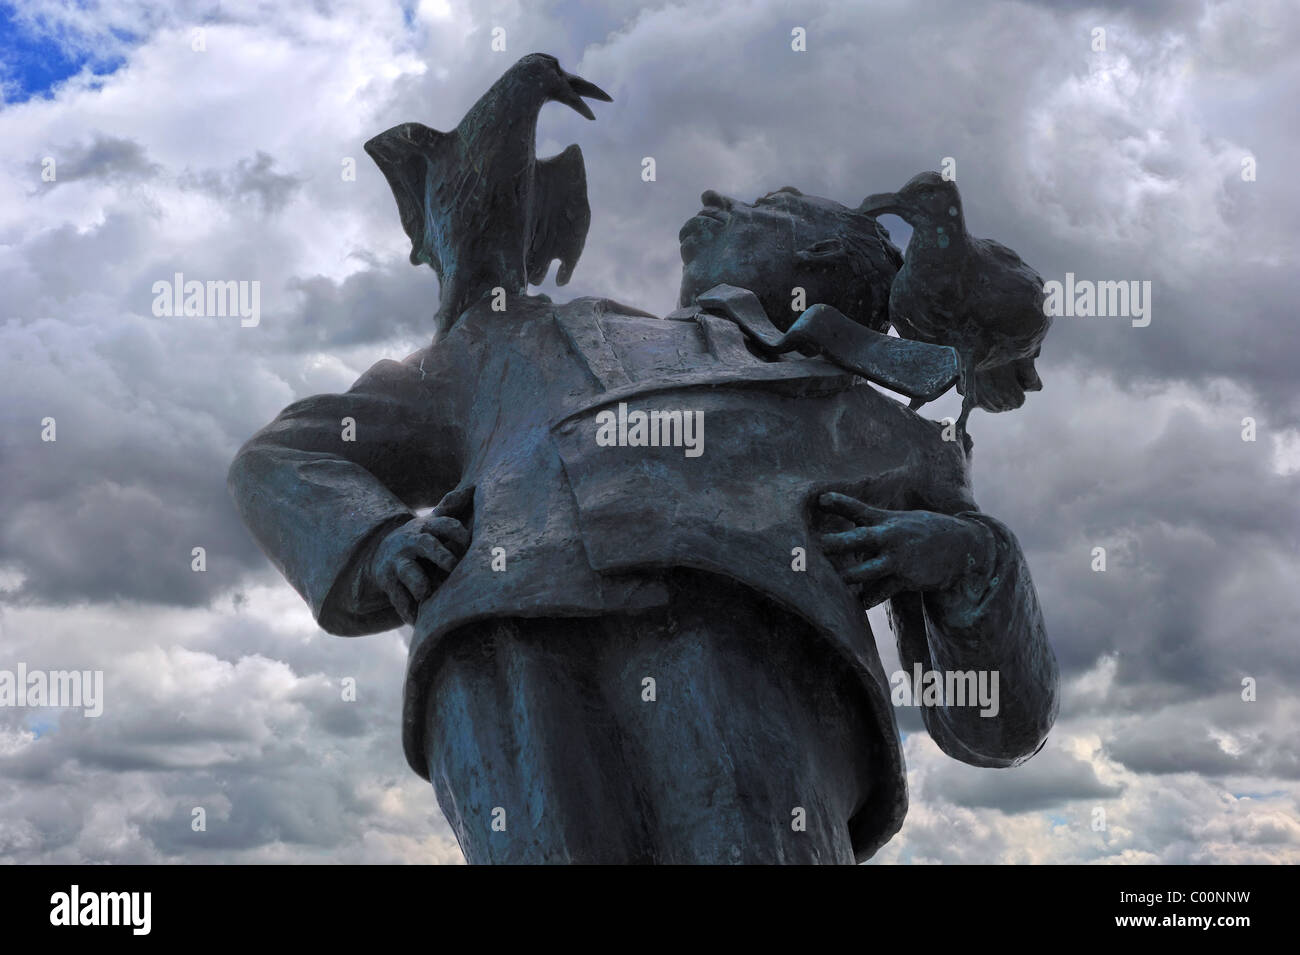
point(689, 248)
point(691, 282)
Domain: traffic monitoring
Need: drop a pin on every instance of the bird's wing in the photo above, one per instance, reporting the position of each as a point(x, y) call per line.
point(1014, 291)
point(560, 216)
point(404, 155)
point(1005, 270)
point(1000, 253)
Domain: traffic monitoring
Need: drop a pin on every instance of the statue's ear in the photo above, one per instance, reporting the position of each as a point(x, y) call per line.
point(404, 155)
point(831, 251)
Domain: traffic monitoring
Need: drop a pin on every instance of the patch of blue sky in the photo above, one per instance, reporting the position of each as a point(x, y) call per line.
point(42, 723)
point(33, 62)
point(1262, 794)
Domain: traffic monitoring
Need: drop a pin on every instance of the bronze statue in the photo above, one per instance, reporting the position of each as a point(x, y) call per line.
point(639, 600)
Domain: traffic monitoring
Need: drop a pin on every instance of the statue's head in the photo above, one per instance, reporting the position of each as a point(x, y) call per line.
point(785, 240)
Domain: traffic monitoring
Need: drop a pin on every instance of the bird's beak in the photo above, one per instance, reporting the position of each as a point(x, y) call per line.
point(576, 88)
point(881, 203)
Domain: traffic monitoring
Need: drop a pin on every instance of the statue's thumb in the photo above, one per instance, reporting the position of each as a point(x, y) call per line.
point(454, 501)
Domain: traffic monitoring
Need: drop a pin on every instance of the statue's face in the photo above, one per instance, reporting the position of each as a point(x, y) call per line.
point(771, 246)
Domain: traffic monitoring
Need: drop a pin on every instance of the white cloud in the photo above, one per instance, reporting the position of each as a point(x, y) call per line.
point(226, 163)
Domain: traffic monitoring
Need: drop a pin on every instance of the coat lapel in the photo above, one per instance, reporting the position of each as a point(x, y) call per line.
point(581, 326)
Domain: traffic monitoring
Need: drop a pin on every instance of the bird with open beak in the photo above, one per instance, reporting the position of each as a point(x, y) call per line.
point(973, 294)
point(478, 205)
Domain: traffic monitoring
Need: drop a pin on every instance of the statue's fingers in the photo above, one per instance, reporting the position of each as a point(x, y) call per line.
point(853, 509)
point(403, 603)
point(431, 549)
point(871, 571)
point(414, 579)
point(858, 539)
point(396, 593)
point(448, 530)
point(386, 576)
point(454, 502)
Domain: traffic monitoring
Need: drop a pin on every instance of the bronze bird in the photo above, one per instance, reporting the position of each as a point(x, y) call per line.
point(973, 294)
point(477, 203)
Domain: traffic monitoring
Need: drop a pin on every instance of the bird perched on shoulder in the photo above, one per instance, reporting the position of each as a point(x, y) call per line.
point(973, 294)
point(477, 203)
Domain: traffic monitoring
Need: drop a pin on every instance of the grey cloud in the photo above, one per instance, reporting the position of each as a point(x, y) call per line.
point(1050, 779)
point(252, 180)
point(1225, 738)
point(1118, 166)
point(106, 158)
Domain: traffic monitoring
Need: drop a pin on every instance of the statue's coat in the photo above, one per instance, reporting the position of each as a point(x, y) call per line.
point(506, 402)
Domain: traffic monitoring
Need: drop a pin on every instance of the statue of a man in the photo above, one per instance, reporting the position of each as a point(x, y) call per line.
point(630, 654)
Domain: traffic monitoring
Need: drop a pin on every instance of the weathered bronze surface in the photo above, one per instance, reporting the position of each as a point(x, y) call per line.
point(639, 600)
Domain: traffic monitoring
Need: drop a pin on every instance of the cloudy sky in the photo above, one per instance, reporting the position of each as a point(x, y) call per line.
point(226, 161)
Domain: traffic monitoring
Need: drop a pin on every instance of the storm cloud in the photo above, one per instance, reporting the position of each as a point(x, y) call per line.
point(236, 162)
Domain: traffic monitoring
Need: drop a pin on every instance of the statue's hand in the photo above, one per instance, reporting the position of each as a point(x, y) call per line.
point(888, 552)
point(415, 558)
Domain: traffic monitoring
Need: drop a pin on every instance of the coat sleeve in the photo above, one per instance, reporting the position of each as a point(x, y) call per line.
point(320, 485)
point(991, 625)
